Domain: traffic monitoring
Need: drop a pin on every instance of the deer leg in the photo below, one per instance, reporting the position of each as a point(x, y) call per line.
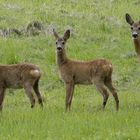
point(36, 89)
point(28, 91)
point(2, 91)
point(113, 91)
point(69, 94)
point(101, 88)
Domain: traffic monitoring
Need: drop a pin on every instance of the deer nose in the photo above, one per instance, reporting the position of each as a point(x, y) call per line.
point(135, 35)
point(59, 48)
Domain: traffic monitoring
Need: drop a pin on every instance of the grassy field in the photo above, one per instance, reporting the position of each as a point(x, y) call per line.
point(99, 30)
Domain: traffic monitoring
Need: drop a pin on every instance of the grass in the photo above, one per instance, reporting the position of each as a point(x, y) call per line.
point(98, 30)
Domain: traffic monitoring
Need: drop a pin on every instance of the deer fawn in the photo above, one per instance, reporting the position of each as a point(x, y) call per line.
point(135, 29)
point(20, 76)
point(96, 72)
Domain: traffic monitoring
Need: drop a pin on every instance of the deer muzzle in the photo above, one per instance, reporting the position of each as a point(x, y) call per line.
point(134, 35)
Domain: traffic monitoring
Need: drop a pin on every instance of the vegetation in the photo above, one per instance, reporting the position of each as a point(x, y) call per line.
point(99, 30)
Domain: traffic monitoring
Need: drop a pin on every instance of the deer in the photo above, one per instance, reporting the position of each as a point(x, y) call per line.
point(135, 31)
point(72, 72)
point(17, 76)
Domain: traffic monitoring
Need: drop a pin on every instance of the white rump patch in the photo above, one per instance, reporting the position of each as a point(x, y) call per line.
point(110, 66)
point(35, 73)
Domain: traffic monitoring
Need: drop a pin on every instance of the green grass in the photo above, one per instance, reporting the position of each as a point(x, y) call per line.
point(99, 30)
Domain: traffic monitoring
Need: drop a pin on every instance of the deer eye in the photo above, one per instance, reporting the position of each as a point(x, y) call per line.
point(63, 42)
point(139, 28)
point(56, 42)
point(131, 28)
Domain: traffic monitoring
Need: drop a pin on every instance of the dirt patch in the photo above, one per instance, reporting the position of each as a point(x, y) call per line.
point(34, 28)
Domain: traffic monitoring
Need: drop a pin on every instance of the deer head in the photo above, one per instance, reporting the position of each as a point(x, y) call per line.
point(135, 26)
point(61, 41)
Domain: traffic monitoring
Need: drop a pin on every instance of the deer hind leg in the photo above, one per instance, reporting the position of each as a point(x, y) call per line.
point(2, 94)
point(101, 88)
point(28, 90)
point(69, 94)
point(37, 92)
point(108, 83)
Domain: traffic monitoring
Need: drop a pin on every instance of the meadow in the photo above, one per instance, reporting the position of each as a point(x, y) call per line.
point(99, 30)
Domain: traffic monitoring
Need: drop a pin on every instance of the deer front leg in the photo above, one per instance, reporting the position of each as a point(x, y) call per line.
point(69, 94)
point(2, 91)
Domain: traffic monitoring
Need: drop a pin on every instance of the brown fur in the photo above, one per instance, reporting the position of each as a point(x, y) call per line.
point(135, 30)
point(96, 72)
point(20, 76)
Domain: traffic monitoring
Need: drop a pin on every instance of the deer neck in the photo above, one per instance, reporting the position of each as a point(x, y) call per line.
point(61, 57)
point(137, 47)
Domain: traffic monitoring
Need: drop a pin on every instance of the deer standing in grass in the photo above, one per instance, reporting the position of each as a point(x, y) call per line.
point(20, 76)
point(98, 72)
point(135, 30)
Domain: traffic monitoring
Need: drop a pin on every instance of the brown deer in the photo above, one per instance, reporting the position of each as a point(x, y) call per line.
point(18, 76)
point(135, 30)
point(98, 72)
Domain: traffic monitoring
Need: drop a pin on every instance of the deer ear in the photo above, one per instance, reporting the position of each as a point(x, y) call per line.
point(66, 35)
point(128, 18)
point(55, 34)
